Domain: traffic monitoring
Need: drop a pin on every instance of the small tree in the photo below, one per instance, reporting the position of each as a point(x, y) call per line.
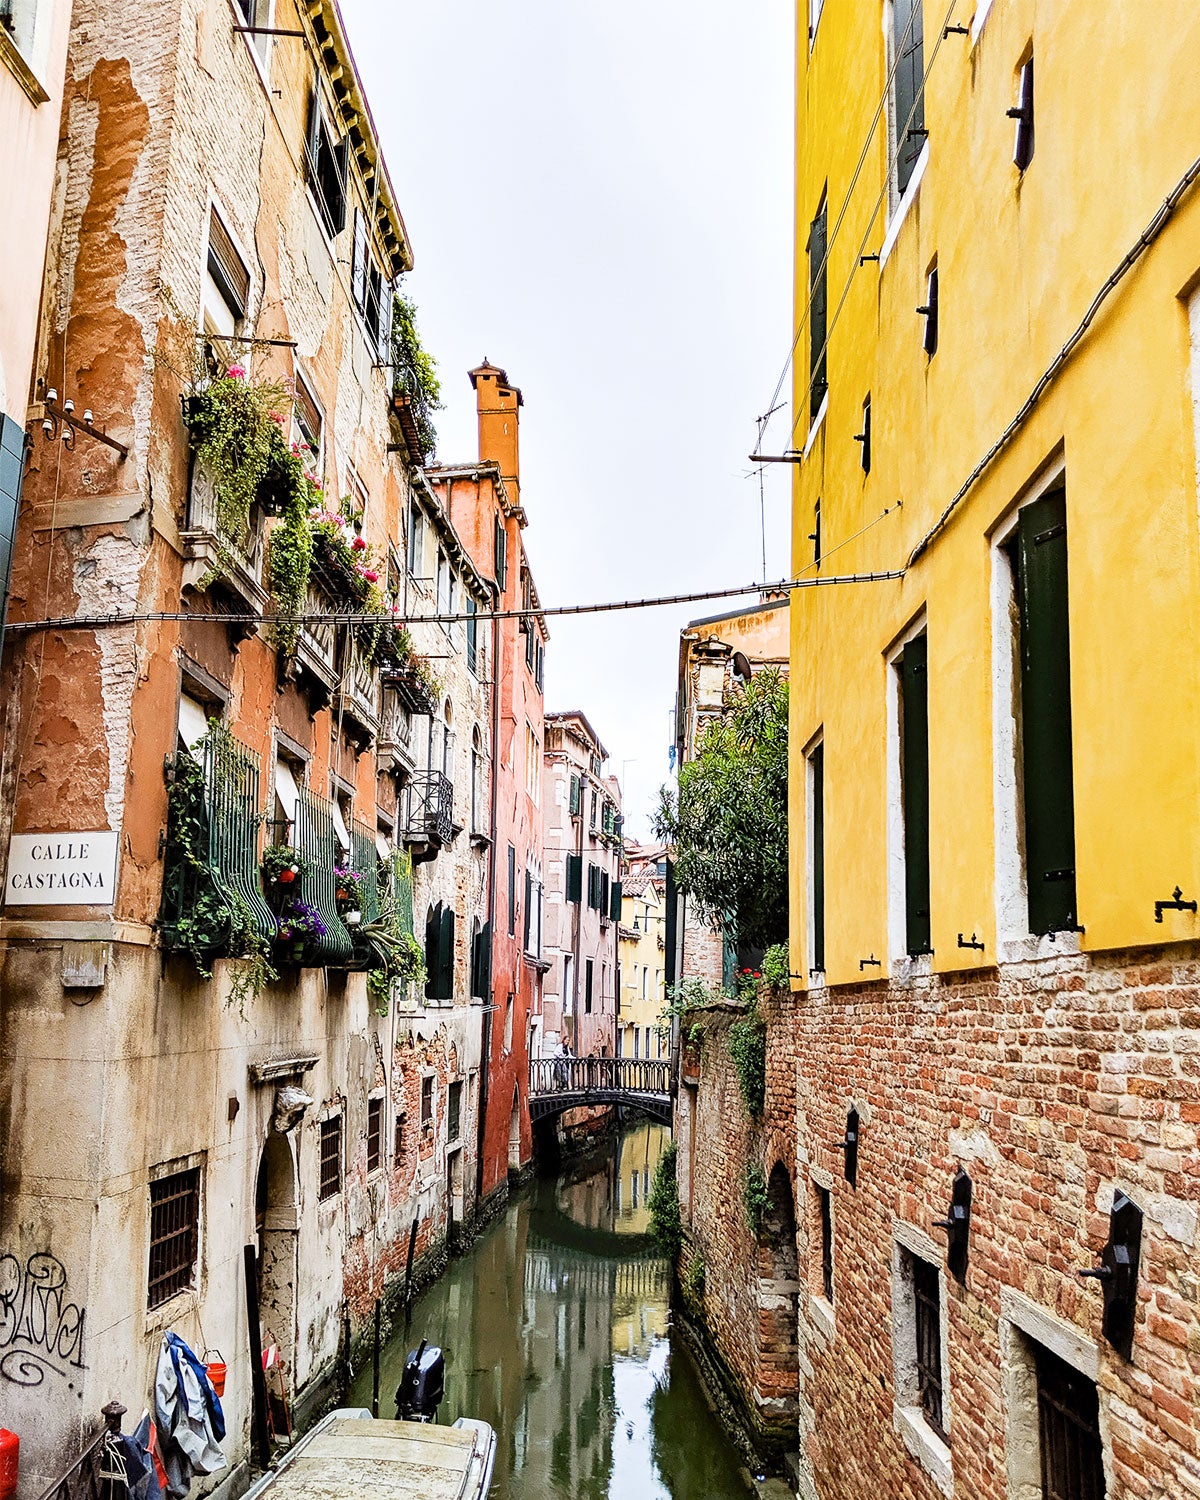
point(727, 821)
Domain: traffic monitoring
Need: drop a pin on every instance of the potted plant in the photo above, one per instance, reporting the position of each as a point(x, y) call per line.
point(348, 892)
point(299, 924)
point(283, 871)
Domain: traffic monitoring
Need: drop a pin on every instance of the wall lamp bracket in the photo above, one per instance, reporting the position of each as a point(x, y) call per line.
point(958, 1226)
point(869, 963)
point(971, 942)
point(955, 31)
point(860, 437)
point(1117, 1273)
point(268, 31)
point(1176, 903)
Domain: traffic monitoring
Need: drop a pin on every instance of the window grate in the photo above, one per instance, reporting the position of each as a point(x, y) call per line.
point(454, 1112)
point(426, 1101)
point(374, 1134)
point(824, 1198)
point(331, 1158)
point(398, 1142)
point(174, 1234)
point(1068, 1432)
point(927, 1297)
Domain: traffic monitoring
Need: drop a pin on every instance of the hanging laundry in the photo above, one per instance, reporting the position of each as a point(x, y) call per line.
point(189, 1417)
point(141, 1474)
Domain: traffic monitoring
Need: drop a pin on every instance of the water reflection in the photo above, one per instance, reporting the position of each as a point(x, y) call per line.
point(556, 1331)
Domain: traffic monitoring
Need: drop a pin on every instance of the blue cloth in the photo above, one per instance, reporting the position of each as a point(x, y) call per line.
point(141, 1477)
point(179, 1350)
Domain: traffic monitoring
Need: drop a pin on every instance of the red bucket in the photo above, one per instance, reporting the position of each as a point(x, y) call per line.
point(216, 1370)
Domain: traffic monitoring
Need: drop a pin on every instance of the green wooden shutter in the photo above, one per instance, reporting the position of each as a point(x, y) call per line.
point(817, 762)
point(914, 775)
point(574, 877)
point(817, 311)
point(616, 905)
point(576, 796)
point(605, 902)
point(472, 636)
point(501, 550)
point(485, 966)
point(908, 126)
point(433, 938)
point(512, 891)
point(446, 956)
point(1046, 714)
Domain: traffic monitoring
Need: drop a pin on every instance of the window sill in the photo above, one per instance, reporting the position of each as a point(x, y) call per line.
point(910, 968)
point(982, 10)
point(925, 1446)
point(902, 208)
point(11, 57)
point(1028, 949)
point(174, 1311)
point(817, 423)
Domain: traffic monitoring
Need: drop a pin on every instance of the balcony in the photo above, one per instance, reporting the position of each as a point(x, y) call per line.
point(394, 751)
point(210, 559)
point(358, 703)
point(412, 686)
point(428, 815)
point(212, 905)
point(316, 648)
point(316, 839)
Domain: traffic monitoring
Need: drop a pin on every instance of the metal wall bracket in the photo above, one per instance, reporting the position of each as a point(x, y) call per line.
point(850, 1147)
point(869, 963)
point(971, 942)
point(1117, 1273)
point(958, 1227)
point(1176, 903)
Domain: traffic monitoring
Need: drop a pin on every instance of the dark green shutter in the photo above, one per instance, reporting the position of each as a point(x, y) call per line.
point(359, 258)
point(908, 126)
point(817, 311)
point(605, 894)
point(528, 906)
point(574, 877)
point(914, 775)
point(1046, 714)
point(512, 891)
point(616, 906)
point(576, 795)
point(433, 938)
point(446, 956)
point(485, 964)
point(472, 636)
point(817, 762)
point(501, 550)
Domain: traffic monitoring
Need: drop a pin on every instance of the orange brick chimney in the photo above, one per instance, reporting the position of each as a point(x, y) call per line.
point(498, 404)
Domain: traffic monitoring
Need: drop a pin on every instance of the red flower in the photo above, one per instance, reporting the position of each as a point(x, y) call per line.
point(358, 544)
point(370, 575)
point(286, 876)
point(237, 372)
point(757, 975)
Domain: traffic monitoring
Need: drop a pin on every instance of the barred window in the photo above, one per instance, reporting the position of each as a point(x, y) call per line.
point(454, 1112)
point(174, 1234)
point(927, 1298)
point(374, 1134)
point(426, 1101)
point(398, 1142)
point(331, 1158)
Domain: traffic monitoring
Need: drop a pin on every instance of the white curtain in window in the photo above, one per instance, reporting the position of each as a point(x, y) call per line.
point(286, 789)
point(193, 721)
point(339, 822)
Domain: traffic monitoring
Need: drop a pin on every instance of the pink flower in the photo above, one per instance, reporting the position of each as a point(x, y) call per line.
point(358, 544)
point(370, 575)
point(276, 417)
point(237, 372)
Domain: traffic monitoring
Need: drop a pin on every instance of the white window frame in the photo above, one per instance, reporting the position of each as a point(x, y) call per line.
point(34, 52)
point(898, 204)
point(816, 9)
point(1014, 941)
point(261, 47)
point(212, 301)
point(821, 1312)
point(317, 459)
point(908, 1420)
point(901, 966)
point(816, 977)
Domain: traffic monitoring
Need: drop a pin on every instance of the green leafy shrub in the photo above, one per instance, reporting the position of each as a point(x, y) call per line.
point(415, 371)
point(755, 1199)
point(748, 1049)
point(777, 968)
point(666, 1224)
point(693, 1282)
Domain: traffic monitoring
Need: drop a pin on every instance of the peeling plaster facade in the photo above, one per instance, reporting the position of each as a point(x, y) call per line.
point(120, 1063)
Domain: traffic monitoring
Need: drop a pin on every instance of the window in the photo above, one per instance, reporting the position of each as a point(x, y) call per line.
point(226, 281)
point(476, 768)
point(326, 161)
point(576, 796)
point(587, 986)
point(374, 1134)
point(814, 535)
point(818, 306)
point(512, 891)
point(257, 13)
point(863, 438)
point(816, 858)
point(908, 101)
point(439, 953)
point(427, 1103)
point(637, 1042)
point(533, 766)
point(306, 415)
point(927, 1306)
point(929, 311)
point(1038, 557)
point(508, 1022)
point(592, 818)
point(19, 20)
point(825, 1211)
point(331, 1158)
point(528, 907)
point(398, 1140)
point(501, 554)
point(539, 667)
point(481, 961)
point(574, 877)
point(1023, 115)
point(416, 543)
point(454, 1111)
point(1068, 1431)
point(914, 789)
point(568, 994)
point(472, 637)
point(605, 895)
point(372, 291)
point(594, 887)
point(814, 16)
point(174, 1234)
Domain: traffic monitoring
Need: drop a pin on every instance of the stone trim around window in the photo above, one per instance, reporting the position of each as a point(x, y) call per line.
point(10, 56)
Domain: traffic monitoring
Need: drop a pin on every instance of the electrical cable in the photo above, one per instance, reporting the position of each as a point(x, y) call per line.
point(350, 618)
point(866, 146)
point(1151, 232)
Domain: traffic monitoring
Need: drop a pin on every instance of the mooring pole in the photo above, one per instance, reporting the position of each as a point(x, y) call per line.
point(258, 1380)
point(412, 1245)
point(375, 1361)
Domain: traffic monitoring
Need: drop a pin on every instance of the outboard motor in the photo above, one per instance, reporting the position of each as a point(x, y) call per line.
point(422, 1386)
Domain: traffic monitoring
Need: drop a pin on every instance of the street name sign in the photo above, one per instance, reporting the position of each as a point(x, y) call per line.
point(61, 869)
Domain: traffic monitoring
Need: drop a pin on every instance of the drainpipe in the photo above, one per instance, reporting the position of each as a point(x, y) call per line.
point(493, 824)
point(579, 905)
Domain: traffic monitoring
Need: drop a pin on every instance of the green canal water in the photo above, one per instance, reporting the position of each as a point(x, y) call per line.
point(556, 1330)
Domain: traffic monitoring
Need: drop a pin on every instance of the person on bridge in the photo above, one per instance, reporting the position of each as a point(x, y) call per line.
point(562, 1069)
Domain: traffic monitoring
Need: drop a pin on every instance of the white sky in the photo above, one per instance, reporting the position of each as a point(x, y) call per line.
point(600, 201)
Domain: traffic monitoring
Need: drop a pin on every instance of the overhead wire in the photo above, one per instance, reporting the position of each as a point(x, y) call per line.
point(831, 239)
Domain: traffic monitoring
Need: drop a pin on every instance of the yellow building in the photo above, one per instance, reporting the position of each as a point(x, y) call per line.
point(642, 937)
point(996, 752)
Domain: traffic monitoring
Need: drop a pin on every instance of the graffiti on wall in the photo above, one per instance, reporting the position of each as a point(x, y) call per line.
point(41, 1329)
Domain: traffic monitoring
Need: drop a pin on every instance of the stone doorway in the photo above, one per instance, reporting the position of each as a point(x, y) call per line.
point(277, 1223)
point(514, 1133)
point(778, 1292)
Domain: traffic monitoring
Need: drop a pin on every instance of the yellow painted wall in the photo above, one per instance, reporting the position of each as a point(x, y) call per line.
point(645, 949)
point(1020, 258)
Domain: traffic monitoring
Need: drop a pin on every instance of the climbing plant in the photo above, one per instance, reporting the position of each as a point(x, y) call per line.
point(748, 1049)
point(755, 1198)
point(666, 1223)
point(416, 371)
point(727, 818)
point(777, 968)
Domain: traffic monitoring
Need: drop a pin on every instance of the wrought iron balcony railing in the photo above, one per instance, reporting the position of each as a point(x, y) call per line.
point(211, 893)
point(316, 839)
point(430, 809)
point(207, 550)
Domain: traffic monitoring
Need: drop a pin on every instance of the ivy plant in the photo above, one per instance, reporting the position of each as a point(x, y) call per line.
point(666, 1223)
point(755, 1199)
point(748, 1049)
point(415, 371)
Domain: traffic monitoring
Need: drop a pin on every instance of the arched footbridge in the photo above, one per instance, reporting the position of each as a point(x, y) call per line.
point(557, 1084)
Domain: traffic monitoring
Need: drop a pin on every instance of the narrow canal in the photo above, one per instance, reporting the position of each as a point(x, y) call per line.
point(556, 1330)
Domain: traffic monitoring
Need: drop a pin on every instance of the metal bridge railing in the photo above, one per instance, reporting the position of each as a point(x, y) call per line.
point(599, 1075)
